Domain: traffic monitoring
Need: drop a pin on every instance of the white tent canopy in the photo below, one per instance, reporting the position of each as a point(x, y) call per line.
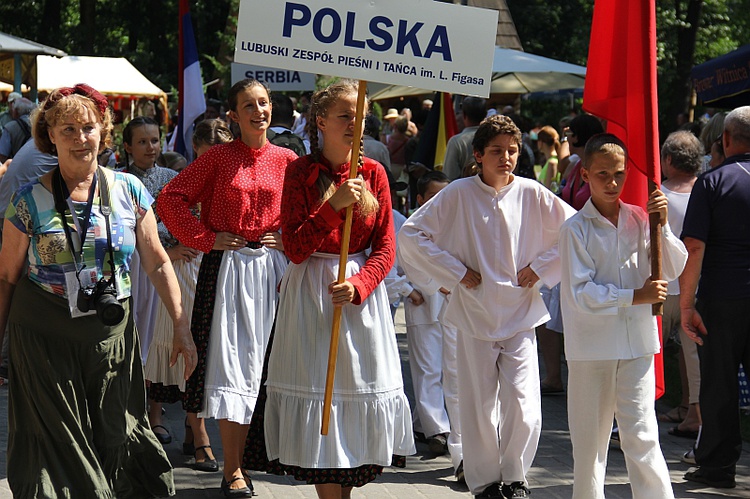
point(112, 76)
point(513, 72)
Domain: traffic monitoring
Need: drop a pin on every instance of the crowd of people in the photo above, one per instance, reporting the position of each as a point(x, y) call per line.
point(215, 284)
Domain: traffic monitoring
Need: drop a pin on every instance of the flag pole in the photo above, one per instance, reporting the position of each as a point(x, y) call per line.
point(652, 147)
point(654, 221)
point(343, 257)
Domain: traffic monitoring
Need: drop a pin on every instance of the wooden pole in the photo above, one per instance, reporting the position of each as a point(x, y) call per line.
point(343, 257)
point(655, 230)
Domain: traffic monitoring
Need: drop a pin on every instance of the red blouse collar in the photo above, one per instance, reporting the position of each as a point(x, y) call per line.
point(325, 166)
point(250, 151)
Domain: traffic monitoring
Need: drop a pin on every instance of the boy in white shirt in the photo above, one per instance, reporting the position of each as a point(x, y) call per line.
point(610, 333)
point(488, 239)
point(432, 350)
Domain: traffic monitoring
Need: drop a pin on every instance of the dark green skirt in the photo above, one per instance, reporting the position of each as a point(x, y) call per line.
point(77, 424)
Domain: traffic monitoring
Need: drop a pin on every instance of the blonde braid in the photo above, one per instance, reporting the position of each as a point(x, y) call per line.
point(368, 203)
point(322, 100)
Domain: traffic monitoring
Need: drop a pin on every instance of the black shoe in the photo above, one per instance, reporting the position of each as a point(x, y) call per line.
point(438, 444)
point(516, 490)
point(493, 491)
point(715, 479)
point(163, 438)
point(234, 493)
point(460, 478)
point(207, 465)
point(248, 481)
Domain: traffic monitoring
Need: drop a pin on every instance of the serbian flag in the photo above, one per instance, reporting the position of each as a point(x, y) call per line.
point(192, 102)
point(621, 88)
point(439, 127)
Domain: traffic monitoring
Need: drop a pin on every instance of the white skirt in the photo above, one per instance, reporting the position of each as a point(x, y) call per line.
point(370, 415)
point(157, 368)
point(145, 303)
point(243, 315)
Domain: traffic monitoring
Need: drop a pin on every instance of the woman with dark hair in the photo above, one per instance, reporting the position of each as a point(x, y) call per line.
point(77, 422)
point(141, 139)
point(239, 188)
point(575, 191)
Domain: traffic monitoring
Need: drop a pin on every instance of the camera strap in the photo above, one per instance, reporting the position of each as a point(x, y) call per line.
point(106, 209)
point(61, 195)
point(62, 203)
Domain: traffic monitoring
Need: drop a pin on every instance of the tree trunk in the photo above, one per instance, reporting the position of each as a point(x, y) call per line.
point(51, 18)
point(686, 37)
point(226, 49)
point(88, 26)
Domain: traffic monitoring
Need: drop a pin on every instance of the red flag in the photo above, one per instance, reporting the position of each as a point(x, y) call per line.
point(621, 88)
point(621, 84)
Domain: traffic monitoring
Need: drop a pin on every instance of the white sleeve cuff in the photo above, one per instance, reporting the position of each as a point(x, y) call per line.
point(625, 297)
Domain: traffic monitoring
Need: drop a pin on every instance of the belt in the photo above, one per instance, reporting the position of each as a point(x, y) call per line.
point(254, 245)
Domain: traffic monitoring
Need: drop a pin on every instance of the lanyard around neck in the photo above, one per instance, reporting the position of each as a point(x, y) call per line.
point(63, 202)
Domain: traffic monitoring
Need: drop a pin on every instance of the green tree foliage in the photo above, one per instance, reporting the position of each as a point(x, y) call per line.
point(146, 33)
point(558, 29)
point(720, 27)
point(689, 32)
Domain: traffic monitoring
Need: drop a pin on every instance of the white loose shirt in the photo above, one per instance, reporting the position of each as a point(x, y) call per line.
point(496, 233)
point(678, 202)
point(602, 265)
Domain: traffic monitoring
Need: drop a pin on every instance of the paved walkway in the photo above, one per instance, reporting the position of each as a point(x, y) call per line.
point(426, 475)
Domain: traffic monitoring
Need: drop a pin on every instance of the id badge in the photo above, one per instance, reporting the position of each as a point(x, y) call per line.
point(88, 277)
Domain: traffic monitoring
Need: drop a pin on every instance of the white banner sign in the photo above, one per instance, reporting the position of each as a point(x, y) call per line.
point(278, 80)
point(420, 43)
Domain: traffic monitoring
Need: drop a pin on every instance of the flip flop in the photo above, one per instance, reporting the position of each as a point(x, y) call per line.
point(675, 431)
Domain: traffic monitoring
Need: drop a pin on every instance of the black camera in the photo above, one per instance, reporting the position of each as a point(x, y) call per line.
point(101, 297)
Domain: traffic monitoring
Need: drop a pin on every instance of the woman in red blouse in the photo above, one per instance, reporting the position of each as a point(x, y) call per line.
point(239, 188)
point(370, 417)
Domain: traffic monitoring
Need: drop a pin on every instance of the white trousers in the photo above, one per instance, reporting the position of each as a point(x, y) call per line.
point(599, 391)
point(432, 360)
point(500, 408)
point(425, 343)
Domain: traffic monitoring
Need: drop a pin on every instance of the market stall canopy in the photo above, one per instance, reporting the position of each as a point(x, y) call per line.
point(18, 60)
point(513, 72)
point(112, 76)
point(724, 82)
point(15, 45)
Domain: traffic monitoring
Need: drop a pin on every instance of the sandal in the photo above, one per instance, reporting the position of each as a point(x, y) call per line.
point(243, 492)
point(207, 465)
point(676, 415)
point(188, 448)
point(163, 438)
